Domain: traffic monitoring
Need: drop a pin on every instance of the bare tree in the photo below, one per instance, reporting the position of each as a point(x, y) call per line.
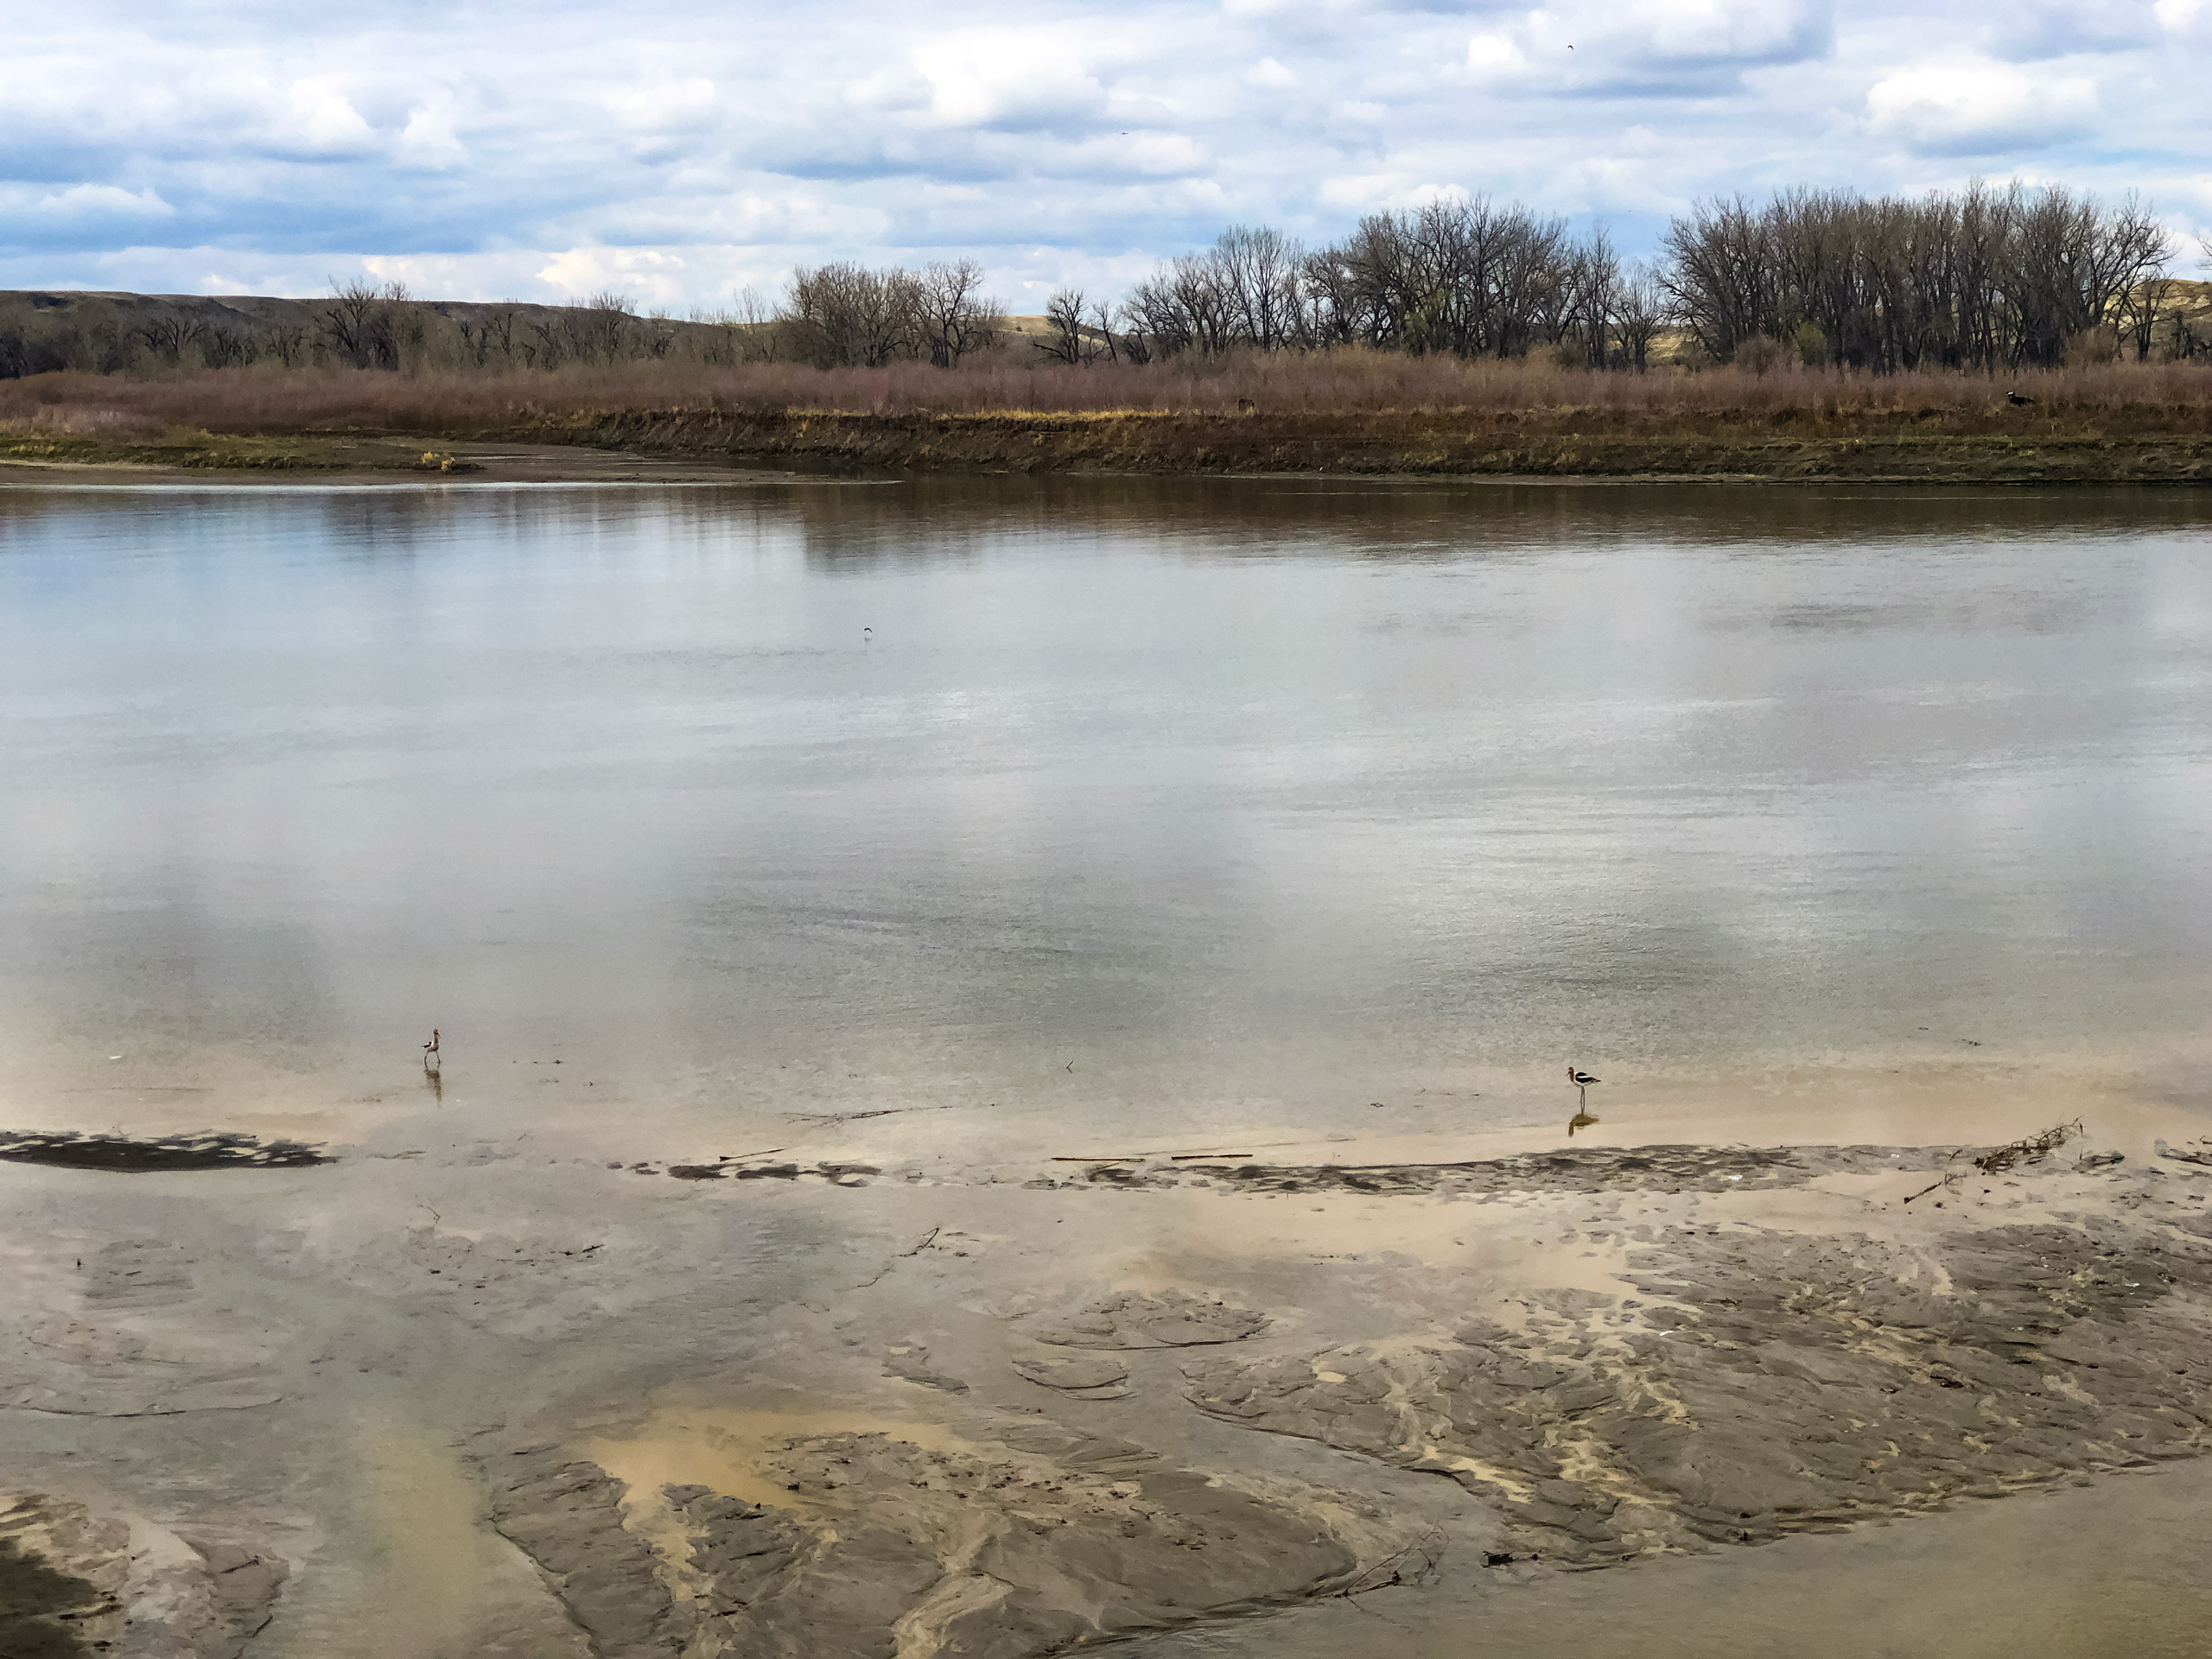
point(1063, 317)
point(845, 315)
point(1639, 313)
point(286, 342)
point(490, 332)
point(594, 329)
point(169, 333)
point(955, 318)
point(365, 325)
point(1102, 320)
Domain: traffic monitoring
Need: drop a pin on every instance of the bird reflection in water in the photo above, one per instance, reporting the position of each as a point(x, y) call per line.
point(1579, 1120)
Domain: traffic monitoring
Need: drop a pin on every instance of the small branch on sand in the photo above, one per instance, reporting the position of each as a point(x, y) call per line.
point(1391, 1569)
point(855, 1117)
point(2032, 1149)
point(900, 1255)
point(1948, 1180)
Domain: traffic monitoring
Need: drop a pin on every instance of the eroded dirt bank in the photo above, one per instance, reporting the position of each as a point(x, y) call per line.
point(483, 1397)
point(1999, 445)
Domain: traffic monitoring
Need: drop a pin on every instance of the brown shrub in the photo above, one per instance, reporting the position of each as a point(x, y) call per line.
point(267, 400)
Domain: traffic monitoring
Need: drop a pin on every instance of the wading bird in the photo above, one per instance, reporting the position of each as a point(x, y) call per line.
point(430, 1049)
point(1581, 1080)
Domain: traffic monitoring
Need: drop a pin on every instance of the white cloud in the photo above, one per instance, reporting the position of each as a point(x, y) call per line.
point(1980, 108)
point(664, 104)
point(648, 276)
point(430, 139)
point(100, 200)
point(1494, 54)
point(982, 77)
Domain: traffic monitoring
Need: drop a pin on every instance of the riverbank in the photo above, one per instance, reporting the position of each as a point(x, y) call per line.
point(1342, 413)
point(1992, 447)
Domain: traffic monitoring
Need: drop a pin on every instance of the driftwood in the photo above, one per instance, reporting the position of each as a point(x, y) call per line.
point(2203, 1160)
point(2032, 1149)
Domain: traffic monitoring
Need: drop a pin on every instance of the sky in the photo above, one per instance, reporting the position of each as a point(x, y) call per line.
point(684, 153)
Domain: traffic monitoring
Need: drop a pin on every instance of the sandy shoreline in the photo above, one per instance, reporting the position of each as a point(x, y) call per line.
point(521, 1396)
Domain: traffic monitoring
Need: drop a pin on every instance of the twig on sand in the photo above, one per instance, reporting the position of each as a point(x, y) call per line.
point(2031, 1149)
point(899, 1255)
point(854, 1117)
point(1391, 1569)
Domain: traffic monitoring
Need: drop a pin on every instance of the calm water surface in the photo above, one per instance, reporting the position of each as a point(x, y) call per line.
point(1115, 803)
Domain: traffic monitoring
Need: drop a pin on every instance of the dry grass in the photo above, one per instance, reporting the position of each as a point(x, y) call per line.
point(1347, 384)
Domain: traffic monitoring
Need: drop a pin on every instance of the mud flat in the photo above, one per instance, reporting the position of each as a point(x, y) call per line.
point(528, 1397)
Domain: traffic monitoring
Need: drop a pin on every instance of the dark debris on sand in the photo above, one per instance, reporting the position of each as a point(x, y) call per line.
point(214, 1149)
point(1580, 1169)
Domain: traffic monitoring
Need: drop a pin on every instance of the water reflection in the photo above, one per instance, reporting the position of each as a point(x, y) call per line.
point(1226, 789)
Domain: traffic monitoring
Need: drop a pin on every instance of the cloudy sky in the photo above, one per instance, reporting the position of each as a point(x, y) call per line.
point(685, 152)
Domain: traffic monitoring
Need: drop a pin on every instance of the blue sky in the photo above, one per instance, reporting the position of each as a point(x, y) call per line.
point(685, 152)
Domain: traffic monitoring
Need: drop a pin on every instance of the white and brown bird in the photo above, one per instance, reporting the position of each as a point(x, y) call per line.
point(430, 1049)
point(1581, 1080)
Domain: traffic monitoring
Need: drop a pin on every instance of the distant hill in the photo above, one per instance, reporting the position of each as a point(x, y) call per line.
point(103, 331)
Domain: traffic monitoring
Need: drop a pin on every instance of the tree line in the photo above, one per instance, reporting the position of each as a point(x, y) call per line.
point(1984, 278)
point(1980, 279)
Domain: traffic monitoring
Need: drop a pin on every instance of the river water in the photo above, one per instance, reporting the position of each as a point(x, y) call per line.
point(1113, 809)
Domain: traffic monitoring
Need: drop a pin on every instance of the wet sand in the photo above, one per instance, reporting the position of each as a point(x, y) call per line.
point(541, 1394)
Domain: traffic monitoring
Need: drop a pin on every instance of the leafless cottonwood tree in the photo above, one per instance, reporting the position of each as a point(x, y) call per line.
point(1982, 279)
point(595, 328)
point(1065, 341)
point(954, 316)
point(169, 334)
point(845, 315)
point(365, 325)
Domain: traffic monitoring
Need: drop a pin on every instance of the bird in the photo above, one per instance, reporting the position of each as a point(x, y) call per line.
point(2019, 399)
point(1581, 1080)
point(430, 1049)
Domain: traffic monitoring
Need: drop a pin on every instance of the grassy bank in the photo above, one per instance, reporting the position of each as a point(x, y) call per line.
point(1350, 412)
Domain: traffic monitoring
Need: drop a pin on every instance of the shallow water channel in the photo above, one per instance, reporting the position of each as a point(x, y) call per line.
point(1095, 818)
